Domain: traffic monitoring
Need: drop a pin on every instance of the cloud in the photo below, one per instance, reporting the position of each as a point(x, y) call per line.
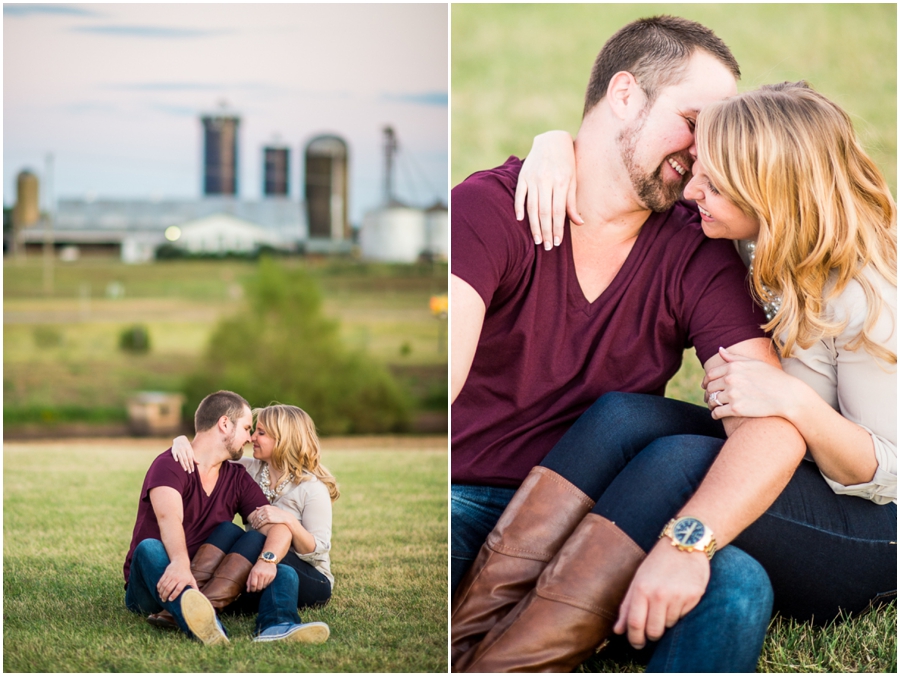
point(28, 10)
point(421, 98)
point(177, 111)
point(90, 107)
point(150, 32)
point(190, 86)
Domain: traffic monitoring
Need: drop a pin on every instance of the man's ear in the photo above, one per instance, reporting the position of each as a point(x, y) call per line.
point(625, 96)
point(222, 423)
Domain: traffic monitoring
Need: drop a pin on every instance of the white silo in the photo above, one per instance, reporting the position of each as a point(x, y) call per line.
point(437, 228)
point(394, 234)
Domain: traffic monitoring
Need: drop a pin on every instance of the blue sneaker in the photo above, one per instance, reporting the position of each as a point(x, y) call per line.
point(200, 617)
point(311, 632)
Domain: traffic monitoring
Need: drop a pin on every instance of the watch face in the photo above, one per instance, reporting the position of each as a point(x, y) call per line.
point(268, 556)
point(688, 531)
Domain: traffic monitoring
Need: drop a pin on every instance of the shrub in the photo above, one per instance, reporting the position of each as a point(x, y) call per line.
point(135, 339)
point(282, 348)
point(46, 337)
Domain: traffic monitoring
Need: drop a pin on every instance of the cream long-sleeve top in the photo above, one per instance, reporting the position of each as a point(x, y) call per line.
point(860, 387)
point(310, 502)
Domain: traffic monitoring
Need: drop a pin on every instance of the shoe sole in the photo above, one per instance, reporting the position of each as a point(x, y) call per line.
point(314, 632)
point(200, 617)
point(161, 623)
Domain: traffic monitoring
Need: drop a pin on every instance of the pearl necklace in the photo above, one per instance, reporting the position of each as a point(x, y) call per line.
point(266, 484)
point(773, 305)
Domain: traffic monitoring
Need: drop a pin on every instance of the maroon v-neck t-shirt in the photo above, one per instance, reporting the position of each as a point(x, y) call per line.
point(235, 493)
point(546, 354)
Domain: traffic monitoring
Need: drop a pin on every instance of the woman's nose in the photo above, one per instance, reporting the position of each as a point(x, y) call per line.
point(691, 191)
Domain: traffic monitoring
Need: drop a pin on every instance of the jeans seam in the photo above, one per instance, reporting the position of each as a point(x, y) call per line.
point(827, 531)
point(673, 645)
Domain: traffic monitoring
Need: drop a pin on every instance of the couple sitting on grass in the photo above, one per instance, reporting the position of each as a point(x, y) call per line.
point(583, 502)
point(188, 561)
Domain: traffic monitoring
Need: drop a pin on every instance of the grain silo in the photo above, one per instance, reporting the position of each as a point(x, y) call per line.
point(276, 171)
point(27, 210)
point(326, 188)
point(437, 228)
point(220, 153)
point(394, 234)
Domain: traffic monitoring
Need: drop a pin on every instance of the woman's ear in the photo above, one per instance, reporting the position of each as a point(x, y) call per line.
point(625, 96)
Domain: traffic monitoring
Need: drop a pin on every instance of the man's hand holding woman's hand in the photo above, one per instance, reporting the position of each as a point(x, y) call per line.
point(546, 188)
point(666, 587)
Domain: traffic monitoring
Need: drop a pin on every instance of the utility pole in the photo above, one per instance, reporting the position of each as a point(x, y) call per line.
point(390, 148)
point(48, 229)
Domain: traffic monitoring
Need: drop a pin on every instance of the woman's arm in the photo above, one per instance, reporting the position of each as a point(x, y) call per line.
point(301, 539)
point(547, 186)
point(843, 451)
point(183, 453)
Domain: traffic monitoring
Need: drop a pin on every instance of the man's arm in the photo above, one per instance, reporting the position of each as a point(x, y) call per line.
point(278, 540)
point(466, 319)
point(169, 510)
point(751, 470)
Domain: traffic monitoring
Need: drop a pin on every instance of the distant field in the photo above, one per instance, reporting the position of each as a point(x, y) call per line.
point(61, 349)
point(521, 69)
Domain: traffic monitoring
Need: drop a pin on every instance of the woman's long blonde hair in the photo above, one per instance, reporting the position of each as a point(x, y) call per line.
point(296, 448)
point(787, 156)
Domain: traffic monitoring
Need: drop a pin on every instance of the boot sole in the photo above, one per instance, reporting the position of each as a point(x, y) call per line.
point(315, 632)
point(162, 623)
point(200, 617)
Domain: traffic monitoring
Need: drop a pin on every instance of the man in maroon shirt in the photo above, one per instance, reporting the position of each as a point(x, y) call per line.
point(178, 511)
point(537, 336)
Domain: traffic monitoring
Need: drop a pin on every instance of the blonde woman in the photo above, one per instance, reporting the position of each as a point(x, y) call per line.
point(286, 465)
point(780, 171)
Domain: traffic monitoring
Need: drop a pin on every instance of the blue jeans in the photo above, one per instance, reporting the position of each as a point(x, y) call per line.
point(277, 602)
point(314, 589)
point(824, 553)
point(723, 633)
point(621, 453)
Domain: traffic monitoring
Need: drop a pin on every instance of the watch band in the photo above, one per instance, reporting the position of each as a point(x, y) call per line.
point(706, 544)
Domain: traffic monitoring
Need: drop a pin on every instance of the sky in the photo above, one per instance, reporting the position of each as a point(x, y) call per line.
point(114, 92)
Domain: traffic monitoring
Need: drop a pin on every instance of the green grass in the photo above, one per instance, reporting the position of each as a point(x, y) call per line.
point(518, 70)
point(61, 350)
point(68, 515)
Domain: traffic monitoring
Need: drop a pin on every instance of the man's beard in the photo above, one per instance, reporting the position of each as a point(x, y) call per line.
point(654, 192)
point(235, 453)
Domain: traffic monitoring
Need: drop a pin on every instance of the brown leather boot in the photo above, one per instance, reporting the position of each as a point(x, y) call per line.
point(572, 609)
point(229, 581)
point(203, 566)
point(538, 520)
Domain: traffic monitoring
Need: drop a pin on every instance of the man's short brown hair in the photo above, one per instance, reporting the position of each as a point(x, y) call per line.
point(217, 404)
point(656, 51)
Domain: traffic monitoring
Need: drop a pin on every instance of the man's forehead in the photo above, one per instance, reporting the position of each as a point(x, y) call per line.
point(705, 81)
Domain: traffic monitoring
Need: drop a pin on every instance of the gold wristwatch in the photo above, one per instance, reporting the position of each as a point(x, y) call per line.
point(268, 557)
point(689, 534)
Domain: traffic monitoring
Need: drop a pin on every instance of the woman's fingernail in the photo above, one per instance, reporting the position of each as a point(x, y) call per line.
point(547, 246)
point(537, 240)
point(556, 241)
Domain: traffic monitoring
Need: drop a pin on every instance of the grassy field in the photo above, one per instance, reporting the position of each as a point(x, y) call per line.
point(518, 70)
point(61, 352)
point(68, 514)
